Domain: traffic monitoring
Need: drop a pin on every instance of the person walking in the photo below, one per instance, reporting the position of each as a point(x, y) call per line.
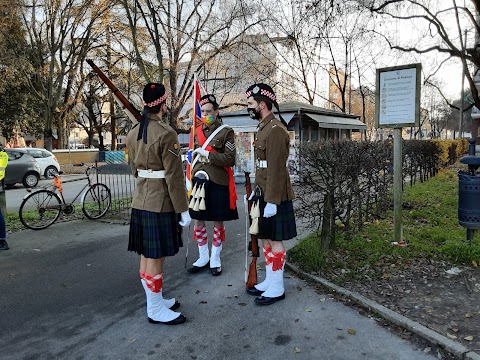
point(213, 196)
point(3, 228)
point(159, 203)
point(273, 193)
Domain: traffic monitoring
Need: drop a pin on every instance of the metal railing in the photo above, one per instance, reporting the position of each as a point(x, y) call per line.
point(117, 176)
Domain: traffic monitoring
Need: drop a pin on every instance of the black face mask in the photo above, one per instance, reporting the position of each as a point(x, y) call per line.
point(254, 113)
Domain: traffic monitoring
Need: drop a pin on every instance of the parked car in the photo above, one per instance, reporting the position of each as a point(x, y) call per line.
point(46, 160)
point(21, 168)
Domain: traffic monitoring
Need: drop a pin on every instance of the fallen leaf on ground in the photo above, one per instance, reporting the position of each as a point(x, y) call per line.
point(308, 310)
point(351, 331)
point(323, 300)
point(467, 315)
point(468, 338)
point(474, 263)
point(296, 350)
point(450, 336)
point(455, 329)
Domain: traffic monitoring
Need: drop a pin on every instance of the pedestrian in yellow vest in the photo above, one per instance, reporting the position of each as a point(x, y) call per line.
point(3, 229)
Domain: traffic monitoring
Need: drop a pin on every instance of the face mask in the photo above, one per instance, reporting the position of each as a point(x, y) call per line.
point(254, 113)
point(208, 120)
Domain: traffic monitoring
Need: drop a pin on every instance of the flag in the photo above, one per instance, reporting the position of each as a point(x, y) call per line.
point(197, 121)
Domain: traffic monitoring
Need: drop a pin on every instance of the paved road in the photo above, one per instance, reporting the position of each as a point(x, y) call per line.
point(72, 292)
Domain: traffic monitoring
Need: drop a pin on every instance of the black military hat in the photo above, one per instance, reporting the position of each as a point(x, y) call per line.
point(261, 90)
point(154, 94)
point(208, 99)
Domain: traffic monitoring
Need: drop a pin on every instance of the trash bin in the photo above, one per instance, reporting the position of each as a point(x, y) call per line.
point(469, 200)
point(469, 192)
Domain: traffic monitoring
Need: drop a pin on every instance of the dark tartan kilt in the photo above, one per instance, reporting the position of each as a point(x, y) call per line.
point(154, 235)
point(217, 202)
point(279, 227)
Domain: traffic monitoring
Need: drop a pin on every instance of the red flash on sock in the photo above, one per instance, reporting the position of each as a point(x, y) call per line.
point(200, 234)
point(142, 274)
point(154, 282)
point(218, 236)
point(278, 260)
point(267, 252)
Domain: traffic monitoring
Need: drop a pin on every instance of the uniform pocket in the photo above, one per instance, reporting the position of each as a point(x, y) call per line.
point(216, 144)
point(260, 145)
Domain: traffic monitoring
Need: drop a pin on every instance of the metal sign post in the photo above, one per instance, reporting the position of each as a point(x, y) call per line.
point(397, 185)
point(397, 105)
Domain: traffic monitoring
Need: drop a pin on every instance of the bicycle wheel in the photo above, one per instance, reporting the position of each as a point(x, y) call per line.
point(40, 209)
point(96, 201)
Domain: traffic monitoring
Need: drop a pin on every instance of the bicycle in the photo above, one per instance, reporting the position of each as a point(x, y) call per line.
point(48, 203)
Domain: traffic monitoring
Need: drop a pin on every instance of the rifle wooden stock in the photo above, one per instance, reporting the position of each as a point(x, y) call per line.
point(252, 269)
point(132, 112)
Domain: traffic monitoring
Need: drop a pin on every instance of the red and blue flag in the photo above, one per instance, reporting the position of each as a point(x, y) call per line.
point(197, 121)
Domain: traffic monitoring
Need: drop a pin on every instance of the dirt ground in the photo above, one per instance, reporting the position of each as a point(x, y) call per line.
point(441, 296)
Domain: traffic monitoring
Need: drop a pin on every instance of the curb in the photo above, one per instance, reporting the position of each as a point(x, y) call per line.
point(451, 346)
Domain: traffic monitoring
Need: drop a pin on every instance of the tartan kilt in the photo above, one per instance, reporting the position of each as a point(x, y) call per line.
point(217, 203)
point(279, 227)
point(154, 235)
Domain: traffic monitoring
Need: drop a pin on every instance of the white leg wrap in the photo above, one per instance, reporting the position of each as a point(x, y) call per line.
point(203, 256)
point(215, 259)
point(276, 287)
point(265, 283)
point(168, 302)
point(158, 310)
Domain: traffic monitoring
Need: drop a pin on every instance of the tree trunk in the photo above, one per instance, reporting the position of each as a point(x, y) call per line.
point(327, 237)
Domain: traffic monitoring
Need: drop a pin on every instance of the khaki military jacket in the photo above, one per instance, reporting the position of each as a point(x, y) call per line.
point(272, 144)
point(224, 144)
point(161, 152)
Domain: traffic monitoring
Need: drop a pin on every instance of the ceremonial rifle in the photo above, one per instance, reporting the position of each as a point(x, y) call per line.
point(132, 113)
point(253, 244)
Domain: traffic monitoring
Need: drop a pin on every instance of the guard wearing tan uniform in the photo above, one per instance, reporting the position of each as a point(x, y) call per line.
point(213, 196)
point(159, 203)
point(273, 192)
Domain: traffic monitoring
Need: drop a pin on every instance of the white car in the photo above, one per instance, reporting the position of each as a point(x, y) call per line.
point(46, 160)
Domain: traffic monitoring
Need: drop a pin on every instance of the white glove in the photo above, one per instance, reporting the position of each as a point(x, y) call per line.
point(202, 152)
point(270, 210)
point(185, 219)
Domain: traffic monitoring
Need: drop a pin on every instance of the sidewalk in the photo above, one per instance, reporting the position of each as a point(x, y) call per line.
point(73, 290)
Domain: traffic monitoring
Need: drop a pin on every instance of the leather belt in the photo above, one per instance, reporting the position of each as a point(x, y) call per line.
point(151, 174)
point(262, 164)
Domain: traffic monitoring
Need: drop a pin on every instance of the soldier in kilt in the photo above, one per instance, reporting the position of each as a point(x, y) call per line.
point(273, 192)
point(213, 196)
point(159, 206)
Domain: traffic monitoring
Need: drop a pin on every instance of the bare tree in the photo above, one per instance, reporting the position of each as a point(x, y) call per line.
point(439, 34)
point(60, 34)
point(184, 35)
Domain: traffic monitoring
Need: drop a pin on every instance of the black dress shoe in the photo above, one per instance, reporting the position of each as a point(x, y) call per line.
point(179, 320)
point(263, 300)
point(3, 245)
point(194, 269)
point(254, 291)
point(175, 306)
point(216, 271)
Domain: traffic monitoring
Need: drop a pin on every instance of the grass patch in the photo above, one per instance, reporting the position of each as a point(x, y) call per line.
point(430, 228)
